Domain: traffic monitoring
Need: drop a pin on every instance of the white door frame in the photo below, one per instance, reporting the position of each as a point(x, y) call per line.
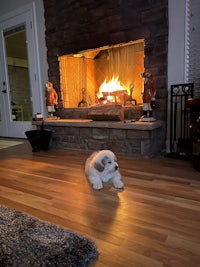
point(9, 128)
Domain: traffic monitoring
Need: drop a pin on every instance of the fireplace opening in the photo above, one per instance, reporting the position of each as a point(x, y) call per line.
point(109, 75)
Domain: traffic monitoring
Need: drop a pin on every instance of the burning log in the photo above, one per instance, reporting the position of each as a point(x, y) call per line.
point(116, 97)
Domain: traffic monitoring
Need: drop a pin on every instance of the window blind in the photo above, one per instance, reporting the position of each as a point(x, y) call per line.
point(193, 44)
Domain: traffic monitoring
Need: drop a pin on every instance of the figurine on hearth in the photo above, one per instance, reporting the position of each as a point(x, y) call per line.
point(148, 97)
point(51, 98)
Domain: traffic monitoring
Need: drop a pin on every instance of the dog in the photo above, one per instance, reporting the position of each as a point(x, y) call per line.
point(102, 167)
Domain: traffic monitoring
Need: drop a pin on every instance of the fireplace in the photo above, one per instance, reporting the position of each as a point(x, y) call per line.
point(73, 27)
point(108, 75)
point(103, 79)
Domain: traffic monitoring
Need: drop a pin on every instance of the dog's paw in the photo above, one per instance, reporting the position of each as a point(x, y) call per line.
point(118, 184)
point(97, 185)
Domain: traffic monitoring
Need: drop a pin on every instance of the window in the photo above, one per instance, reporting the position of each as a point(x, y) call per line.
point(193, 44)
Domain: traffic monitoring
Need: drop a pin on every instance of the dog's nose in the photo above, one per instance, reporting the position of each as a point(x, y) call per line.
point(116, 167)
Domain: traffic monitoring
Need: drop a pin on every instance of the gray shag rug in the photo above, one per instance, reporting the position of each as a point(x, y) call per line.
point(26, 241)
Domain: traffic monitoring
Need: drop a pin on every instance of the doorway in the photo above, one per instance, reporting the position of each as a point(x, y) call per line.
point(19, 95)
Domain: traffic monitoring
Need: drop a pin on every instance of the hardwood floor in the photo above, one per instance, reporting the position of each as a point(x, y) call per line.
point(154, 222)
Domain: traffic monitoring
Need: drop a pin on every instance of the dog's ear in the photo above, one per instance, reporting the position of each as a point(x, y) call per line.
point(99, 167)
point(104, 160)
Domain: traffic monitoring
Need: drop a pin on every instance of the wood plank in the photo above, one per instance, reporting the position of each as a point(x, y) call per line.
point(154, 222)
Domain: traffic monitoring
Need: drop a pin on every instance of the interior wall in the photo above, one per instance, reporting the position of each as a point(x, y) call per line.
point(176, 51)
point(177, 42)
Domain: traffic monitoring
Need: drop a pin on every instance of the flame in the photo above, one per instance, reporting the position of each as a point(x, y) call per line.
point(110, 86)
point(111, 91)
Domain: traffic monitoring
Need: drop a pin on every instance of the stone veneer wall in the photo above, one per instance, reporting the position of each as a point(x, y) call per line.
point(77, 25)
point(130, 139)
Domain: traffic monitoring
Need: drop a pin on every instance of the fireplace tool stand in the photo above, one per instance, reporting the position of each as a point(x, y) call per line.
point(83, 102)
point(180, 141)
point(130, 98)
point(194, 105)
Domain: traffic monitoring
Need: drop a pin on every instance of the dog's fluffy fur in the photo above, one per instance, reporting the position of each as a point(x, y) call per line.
point(101, 167)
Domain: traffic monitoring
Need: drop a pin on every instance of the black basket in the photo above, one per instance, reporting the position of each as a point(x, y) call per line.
point(39, 139)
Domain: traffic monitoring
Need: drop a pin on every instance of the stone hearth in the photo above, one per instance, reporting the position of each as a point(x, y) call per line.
point(136, 139)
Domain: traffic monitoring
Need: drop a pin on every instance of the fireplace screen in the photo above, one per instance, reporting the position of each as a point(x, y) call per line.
point(107, 75)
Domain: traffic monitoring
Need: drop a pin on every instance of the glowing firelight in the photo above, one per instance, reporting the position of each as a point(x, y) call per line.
point(110, 86)
point(111, 92)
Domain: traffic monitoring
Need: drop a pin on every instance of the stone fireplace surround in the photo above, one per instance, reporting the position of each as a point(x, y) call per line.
point(73, 26)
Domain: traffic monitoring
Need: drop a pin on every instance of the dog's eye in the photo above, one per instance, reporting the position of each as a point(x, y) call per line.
point(109, 162)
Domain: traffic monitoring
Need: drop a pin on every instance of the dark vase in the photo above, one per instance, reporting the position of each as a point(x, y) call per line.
point(39, 139)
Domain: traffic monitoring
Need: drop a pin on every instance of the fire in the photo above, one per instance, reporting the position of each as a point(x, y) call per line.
point(111, 91)
point(111, 86)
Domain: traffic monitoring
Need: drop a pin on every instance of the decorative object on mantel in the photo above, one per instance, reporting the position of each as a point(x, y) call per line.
point(148, 97)
point(51, 98)
point(28, 241)
point(38, 117)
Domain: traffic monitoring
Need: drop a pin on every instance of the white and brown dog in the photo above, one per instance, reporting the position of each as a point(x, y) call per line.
point(102, 167)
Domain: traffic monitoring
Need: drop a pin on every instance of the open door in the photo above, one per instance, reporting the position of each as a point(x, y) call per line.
point(19, 93)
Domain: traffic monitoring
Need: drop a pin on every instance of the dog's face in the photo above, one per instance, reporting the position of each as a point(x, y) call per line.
point(102, 166)
point(106, 164)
